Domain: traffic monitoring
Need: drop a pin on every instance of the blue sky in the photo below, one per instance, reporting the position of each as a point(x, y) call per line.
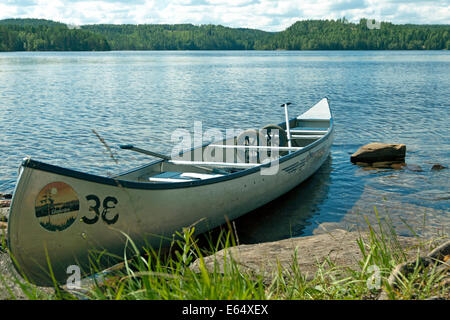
point(270, 15)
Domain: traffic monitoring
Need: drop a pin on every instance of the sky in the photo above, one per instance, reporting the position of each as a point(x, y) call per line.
point(268, 15)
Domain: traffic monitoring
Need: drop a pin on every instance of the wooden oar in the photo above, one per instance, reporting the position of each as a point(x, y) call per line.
point(164, 157)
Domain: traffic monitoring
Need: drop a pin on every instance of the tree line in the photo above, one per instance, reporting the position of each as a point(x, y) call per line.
point(341, 35)
point(38, 34)
point(45, 35)
point(179, 37)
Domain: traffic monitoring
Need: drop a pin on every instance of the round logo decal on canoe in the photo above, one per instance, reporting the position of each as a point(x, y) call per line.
point(57, 206)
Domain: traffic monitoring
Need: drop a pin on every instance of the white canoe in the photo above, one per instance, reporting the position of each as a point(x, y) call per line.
point(60, 215)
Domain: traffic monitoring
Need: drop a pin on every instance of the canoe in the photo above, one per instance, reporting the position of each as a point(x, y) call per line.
point(60, 216)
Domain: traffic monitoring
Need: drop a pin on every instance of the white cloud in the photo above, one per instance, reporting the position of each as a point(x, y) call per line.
point(271, 15)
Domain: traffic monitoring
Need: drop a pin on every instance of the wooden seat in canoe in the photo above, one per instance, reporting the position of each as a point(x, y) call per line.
point(305, 130)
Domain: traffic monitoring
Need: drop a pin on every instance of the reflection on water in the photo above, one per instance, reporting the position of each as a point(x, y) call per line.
point(290, 213)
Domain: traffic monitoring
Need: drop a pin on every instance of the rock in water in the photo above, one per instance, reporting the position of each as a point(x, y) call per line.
point(414, 168)
point(388, 165)
point(379, 152)
point(438, 167)
point(5, 203)
point(398, 165)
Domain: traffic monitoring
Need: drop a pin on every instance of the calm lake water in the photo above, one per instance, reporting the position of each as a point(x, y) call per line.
point(50, 102)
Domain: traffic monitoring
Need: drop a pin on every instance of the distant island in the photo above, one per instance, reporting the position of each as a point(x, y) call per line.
point(47, 35)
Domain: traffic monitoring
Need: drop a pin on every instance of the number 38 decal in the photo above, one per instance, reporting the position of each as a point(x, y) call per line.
point(107, 204)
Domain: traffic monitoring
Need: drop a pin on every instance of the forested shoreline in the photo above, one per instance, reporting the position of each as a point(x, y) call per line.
point(46, 35)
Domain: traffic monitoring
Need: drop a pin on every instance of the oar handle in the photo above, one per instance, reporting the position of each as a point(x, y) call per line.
point(147, 152)
point(126, 146)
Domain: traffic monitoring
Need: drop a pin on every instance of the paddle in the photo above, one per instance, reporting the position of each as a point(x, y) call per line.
point(162, 156)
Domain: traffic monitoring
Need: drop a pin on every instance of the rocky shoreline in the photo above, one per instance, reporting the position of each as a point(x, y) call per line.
point(338, 246)
point(7, 270)
point(4, 213)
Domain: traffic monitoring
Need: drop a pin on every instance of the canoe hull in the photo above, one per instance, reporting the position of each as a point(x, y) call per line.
point(87, 217)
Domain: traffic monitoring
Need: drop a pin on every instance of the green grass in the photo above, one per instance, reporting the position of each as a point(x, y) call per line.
point(154, 274)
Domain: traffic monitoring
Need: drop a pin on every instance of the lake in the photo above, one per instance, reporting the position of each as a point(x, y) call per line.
point(50, 102)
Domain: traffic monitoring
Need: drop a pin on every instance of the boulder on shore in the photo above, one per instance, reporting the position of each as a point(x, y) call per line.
point(379, 152)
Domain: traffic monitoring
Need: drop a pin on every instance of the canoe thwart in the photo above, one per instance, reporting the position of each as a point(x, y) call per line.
point(255, 147)
point(216, 164)
point(306, 136)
